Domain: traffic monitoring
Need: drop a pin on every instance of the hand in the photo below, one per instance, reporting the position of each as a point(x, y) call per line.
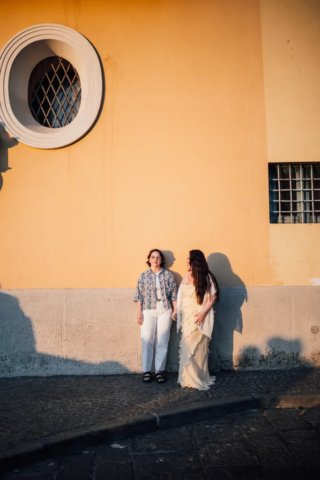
point(140, 319)
point(174, 316)
point(200, 318)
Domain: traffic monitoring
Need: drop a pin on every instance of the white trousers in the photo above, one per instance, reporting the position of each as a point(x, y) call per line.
point(155, 333)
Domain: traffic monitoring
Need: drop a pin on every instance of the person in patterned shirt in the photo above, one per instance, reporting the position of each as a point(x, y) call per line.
point(156, 297)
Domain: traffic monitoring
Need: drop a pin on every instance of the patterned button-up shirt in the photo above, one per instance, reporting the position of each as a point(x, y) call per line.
point(146, 292)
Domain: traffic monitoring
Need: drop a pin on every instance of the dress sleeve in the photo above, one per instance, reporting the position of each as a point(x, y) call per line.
point(139, 293)
point(213, 289)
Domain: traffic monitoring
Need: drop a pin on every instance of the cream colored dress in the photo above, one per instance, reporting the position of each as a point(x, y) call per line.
point(194, 345)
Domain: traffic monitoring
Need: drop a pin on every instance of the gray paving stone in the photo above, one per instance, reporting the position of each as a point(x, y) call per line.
point(314, 473)
point(167, 466)
point(313, 415)
point(114, 471)
point(317, 426)
point(218, 450)
point(236, 452)
point(213, 432)
point(288, 473)
point(113, 463)
point(293, 436)
point(271, 451)
point(31, 476)
point(287, 419)
point(119, 452)
point(308, 458)
point(38, 407)
point(79, 466)
point(305, 445)
point(235, 473)
point(255, 425)
point(165, 441)
point(43, 470)
point(282, 460)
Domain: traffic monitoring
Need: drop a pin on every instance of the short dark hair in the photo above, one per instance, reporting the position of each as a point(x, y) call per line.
point(161, 255)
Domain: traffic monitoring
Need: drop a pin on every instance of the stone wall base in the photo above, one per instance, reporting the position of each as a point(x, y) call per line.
point(94, 331)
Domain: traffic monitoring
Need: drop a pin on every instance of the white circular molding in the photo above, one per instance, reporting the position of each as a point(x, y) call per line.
point(17, 60)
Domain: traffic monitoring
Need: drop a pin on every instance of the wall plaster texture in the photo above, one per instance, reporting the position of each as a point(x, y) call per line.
point(94, 331)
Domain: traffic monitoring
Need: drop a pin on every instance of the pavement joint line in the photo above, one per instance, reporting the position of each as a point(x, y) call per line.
point(128, 427)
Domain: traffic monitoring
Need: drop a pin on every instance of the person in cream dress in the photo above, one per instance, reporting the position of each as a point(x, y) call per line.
point(195, 317)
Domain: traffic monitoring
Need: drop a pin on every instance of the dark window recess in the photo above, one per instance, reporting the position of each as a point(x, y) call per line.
point(54, 92)
point(294, 192)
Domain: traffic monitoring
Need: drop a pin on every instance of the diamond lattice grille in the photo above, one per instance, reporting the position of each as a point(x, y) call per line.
point(54, 92)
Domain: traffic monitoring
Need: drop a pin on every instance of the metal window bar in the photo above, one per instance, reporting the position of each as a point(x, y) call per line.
point(312, 194)
point(302, 195)
point(279, 197)
point(290, 183)
point(305, 210)
point(66, 92)
point(54, 92)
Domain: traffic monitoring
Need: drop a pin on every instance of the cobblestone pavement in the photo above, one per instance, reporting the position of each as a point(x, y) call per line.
point(31, 408)
point(271, 444)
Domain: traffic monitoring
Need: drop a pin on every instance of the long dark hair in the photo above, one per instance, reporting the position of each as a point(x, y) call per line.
point(201, 275)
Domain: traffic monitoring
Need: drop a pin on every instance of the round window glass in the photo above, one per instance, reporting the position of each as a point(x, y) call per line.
point(54, 92)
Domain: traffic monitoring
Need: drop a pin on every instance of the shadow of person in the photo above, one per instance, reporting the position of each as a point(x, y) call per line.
point(228, 315)
point(279, 353)
point(170, 259)
point(16, 336)
point(173, 360)
point(6, 142)
point(19, 355)
point(274, 366)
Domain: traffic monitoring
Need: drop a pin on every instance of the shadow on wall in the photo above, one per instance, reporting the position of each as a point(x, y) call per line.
point(266, 381)
point(17, 337)
point(170, 259)
point(279, 353)
point(228, 314)
point(173, 351)
point(6, 142)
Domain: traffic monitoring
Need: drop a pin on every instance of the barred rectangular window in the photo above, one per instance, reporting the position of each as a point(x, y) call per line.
point(294, 193)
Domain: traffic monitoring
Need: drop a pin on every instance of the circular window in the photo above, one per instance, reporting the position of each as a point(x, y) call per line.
point(54, 92)
point(51, 86)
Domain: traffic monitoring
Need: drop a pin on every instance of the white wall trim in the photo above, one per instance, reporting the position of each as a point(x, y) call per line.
point(17, 60)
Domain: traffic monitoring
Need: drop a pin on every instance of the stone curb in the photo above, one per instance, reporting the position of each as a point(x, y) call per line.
point(127, 427)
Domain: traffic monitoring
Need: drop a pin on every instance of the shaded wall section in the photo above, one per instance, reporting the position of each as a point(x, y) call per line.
point(92, 331)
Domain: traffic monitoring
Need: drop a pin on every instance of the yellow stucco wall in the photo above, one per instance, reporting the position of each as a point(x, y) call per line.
point(200, 95)
point(291, 62)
